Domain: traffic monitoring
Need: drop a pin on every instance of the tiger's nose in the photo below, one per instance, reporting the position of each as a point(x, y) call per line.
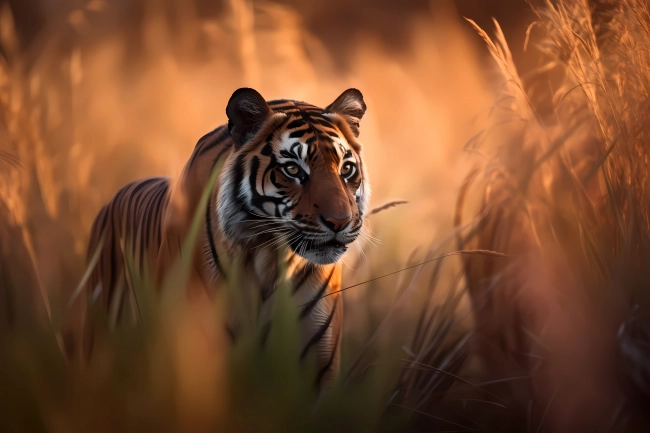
point(337, 224)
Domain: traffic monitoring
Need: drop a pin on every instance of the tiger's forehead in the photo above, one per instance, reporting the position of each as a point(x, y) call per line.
point(308, 132)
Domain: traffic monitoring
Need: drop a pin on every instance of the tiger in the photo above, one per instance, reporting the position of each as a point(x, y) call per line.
point(293, 182)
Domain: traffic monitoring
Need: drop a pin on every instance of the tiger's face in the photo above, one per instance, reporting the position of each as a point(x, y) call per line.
point(296, 177)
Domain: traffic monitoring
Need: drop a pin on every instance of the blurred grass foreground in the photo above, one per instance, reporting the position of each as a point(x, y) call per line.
point(553, 337)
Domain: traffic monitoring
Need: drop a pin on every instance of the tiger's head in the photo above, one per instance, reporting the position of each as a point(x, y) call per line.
point(296, 176)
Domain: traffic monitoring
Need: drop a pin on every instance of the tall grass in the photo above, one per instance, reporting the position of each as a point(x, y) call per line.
point(565, 195)
point(555, 336)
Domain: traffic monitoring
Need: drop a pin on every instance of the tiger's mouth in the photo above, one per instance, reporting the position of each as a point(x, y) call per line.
point(330, 244)
point(320, 253)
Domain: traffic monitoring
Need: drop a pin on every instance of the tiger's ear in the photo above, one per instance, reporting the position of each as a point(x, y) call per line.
point(351, 107)
point(247, 110)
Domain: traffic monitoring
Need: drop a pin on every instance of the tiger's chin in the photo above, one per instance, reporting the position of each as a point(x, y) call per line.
point(322, 254)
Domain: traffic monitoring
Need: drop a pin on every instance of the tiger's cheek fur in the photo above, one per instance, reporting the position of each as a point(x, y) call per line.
point(362, 197)
point(250, 186)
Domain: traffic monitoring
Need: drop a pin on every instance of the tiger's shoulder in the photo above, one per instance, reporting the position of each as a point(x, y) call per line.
point(185, 194)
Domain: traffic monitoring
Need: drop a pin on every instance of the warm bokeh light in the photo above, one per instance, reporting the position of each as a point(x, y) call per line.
point(534, 137)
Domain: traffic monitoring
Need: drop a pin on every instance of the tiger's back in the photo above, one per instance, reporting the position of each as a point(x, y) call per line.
point(131, 224)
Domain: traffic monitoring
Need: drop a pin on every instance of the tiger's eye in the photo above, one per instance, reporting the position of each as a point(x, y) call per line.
point(347, 170)
point(292, 169)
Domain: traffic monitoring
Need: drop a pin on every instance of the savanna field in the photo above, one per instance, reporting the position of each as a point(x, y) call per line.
point(502, 284)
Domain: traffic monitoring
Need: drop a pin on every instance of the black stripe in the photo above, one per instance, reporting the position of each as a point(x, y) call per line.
point(150, 216)
point(133, 202)
point(112, 273)
point(327, 366)
point(258, 200)
point(114, 211)
point(213, 247)
point(145, 222)
point(307, 308)
point(207, 136)
point(158, 204)
point(298, 133)
point(143, 212)
point(288, 110)
point(319, 334)
point(159, 207)
point(202, 147)
point(296, 123)
point(332, 134)
point(267, 150)
point(307, 271)
point(277, 102)
point(238, 178)
point(222, 131)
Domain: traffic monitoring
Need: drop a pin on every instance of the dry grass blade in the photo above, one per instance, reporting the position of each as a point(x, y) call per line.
point(458, 378)
point(401, 297)
point(428, 415)
point(486, 253)
point(387, 206)
point(89, 270)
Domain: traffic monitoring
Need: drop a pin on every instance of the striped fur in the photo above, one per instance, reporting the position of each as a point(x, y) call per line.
point(293, 187)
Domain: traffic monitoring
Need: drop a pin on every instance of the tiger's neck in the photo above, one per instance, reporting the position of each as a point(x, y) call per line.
point(258, 259)
point(263, 264)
